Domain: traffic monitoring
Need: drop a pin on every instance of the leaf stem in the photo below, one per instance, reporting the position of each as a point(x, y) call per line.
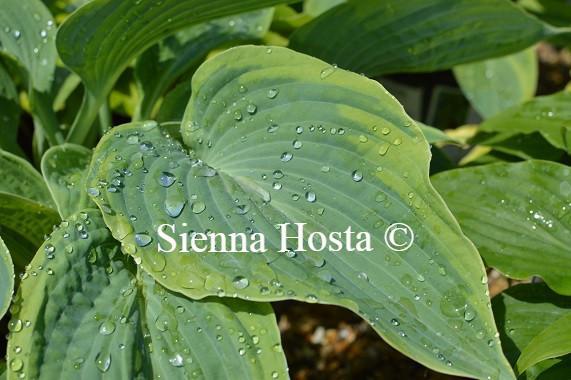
point(45, 117)
point(84, 119)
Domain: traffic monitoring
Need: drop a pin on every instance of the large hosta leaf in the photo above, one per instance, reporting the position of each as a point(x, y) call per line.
point(518, 215)
point(6, 278)
point(281, 137)
point(28, 33)
point(548, 115)
point(497, 84)
point(523, 312)
point(123, 29)
point(83, 312)
point(379, 37)
point(159, 67)
point(64, 169)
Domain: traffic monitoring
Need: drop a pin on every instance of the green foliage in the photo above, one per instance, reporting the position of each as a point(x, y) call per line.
point(522, 232)
point(217, 137)
point(369, 37)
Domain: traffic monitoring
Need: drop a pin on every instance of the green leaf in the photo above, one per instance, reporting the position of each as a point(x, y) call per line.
point(9, 114)
point(555, 12)
point(517, 215)
point(64, 170)
point(315, 8)
point(123, 29)
point(159, 68)
point(529, 146)
point(549, 115)
point(434, 135)
point(6, 279)
point(29, 35)
point(381, 37)
point(521, 313)
point(174, 103)
point(554, 341)
point(83, 311)
point(497, 84)
point(357, 160)
point(20, 178)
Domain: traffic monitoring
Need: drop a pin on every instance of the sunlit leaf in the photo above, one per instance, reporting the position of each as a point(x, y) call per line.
point(549, 115)
point(64, 170)
point(82, 311)
point(497, 84)
point(518, 215)
point(279, 137)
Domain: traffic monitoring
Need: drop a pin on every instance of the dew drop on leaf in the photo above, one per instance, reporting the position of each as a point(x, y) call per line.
point(142, 239)
point(240, 282)
point(166, 179)
point(357, 176)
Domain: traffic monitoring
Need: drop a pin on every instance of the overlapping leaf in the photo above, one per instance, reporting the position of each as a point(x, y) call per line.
point(6, 278)
point(25, 206)
point(380, 37)
point(9, 113)
point(29, 35)
point(82, 311)
point(64, 170)
point(159, 67)
point(549, 115)
point(123, 29)
point(281, 137)
point(518, 215)
point(522, 313)
point(497, 84)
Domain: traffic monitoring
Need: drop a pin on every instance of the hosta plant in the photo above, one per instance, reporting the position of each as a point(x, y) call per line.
point(131, 129)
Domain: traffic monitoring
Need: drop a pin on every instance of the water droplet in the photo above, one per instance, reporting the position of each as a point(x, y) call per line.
point(286, 156)
point(94, 192)
point(103, 362)
point(272, 93)
point(328, 71)
point(174, 207)
point(240, 282)
point(107, 328)
point(166, 179)
point(278, 174)
point(143, 239)
point(177, 360)
point(395, 322)
point(237, 115)
point(299, 130)
point(363, 138)
point(363, 276)
point(251, 108)
point(297, 144)
point(357, 176)
point(198, 207)
point(17, 34)
point(310, 197)
point(16, 365)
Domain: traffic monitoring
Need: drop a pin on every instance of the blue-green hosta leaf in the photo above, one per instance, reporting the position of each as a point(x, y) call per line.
point(435, 135)
point(6, 278)
point(380, 37)
point(553, 342)
point(20, 178)
point(9, 113)
point(518, 215)
point(123, 29)
point(83, 312)
point(549, 115)
point(281, 137)
point(523, 312)
point(64, 170)
point(159, 68)
point(28, 33)
point(497, 84)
